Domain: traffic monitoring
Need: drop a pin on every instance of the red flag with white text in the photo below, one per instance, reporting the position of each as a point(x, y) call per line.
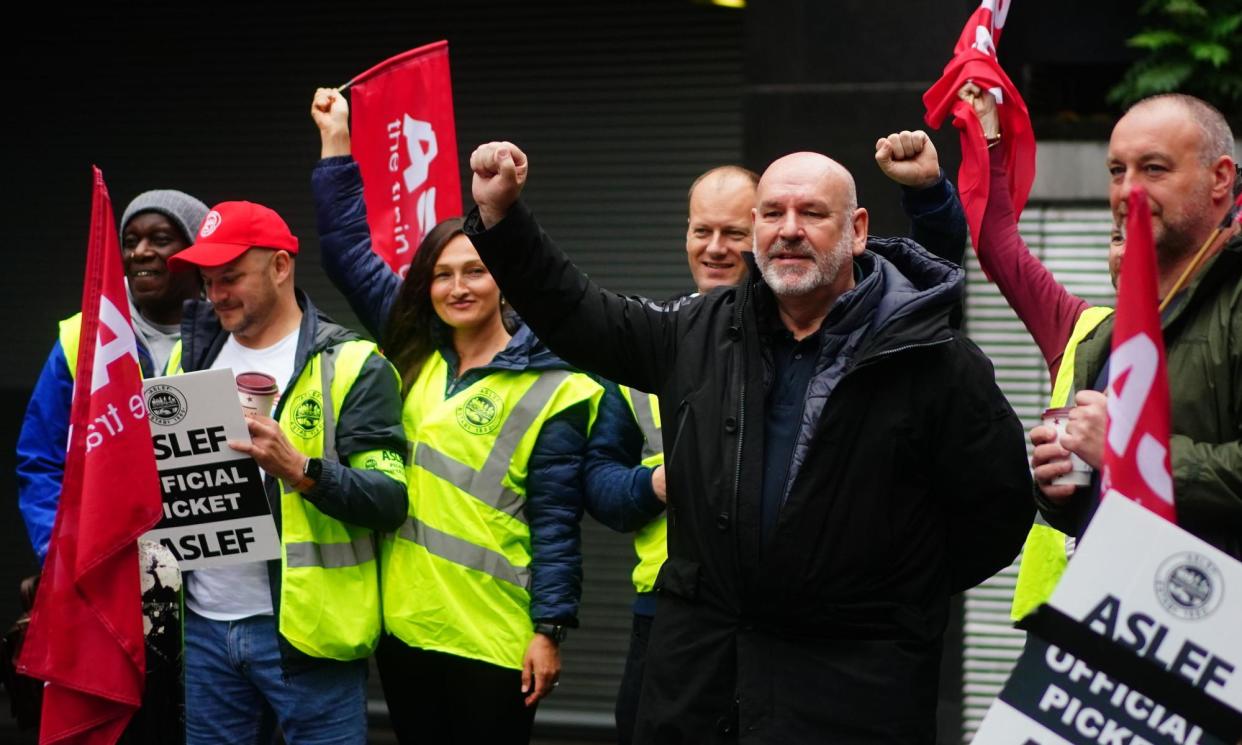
point(86, 633)
point(1136, 451)
point(974, 60)
point(405, 141)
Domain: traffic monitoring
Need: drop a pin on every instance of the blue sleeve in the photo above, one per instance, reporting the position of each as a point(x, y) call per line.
point(554, 509)
point(41, 449)
point(617, 488)
point(937, 220)
point(345, 243)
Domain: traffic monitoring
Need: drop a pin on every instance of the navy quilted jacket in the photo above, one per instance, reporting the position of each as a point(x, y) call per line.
point(554, 496)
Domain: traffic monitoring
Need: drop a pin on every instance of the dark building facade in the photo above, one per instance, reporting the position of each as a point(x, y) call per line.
point(620, 104)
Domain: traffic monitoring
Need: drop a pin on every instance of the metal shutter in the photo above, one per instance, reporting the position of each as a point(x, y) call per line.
point(619, 106)
point(1072, 242)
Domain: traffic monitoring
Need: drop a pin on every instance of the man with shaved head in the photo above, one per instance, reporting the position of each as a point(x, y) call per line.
point(839, 460)
point(1181, 151)
point(623, 471)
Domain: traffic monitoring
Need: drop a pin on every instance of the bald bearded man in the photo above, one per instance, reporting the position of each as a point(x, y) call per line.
point(839, 460)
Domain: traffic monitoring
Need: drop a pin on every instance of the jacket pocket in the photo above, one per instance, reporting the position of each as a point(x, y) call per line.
point(679, 577)
point(683, 411)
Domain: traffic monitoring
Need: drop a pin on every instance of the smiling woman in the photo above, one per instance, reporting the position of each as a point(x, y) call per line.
point(480, 583)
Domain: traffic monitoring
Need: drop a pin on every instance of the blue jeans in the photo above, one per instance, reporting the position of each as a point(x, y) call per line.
point(236, 692)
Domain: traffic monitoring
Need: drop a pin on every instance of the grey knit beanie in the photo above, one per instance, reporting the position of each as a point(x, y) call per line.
point(185, 211)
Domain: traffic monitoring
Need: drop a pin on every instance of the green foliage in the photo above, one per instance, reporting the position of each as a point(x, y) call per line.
point(1191, 46)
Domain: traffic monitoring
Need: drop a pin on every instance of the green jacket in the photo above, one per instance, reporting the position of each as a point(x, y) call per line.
point(1203, 343)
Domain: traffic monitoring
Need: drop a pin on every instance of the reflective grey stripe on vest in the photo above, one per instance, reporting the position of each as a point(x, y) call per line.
point(330, 555)
point(487, 483)
point(308, 554)
point(465, 553)
point(327, 374)
point(653, 438)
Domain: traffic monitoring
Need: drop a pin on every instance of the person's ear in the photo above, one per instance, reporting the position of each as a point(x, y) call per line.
point(861, 221)
point(282, 267)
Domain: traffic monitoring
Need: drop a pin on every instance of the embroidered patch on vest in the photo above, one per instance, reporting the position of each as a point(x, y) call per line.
point(307, 418)
point(480, 414)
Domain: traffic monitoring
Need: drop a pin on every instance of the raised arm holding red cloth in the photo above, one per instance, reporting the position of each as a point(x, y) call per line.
point(974, 61)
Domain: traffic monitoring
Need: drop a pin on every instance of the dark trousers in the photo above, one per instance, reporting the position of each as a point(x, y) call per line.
point(442, 699)
point(632, 679)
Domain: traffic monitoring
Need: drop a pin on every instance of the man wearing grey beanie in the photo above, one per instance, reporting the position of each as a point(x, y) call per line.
point(155, 225)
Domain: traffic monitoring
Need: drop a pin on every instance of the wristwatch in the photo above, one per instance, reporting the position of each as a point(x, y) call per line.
point(554, 631)
point(312, 470)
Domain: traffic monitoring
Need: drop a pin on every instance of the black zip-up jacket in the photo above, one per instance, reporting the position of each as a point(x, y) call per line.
point(370, 419)
point(910, 483)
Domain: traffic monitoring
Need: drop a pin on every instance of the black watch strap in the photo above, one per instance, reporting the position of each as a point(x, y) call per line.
point(554, 631)
point(313, 469)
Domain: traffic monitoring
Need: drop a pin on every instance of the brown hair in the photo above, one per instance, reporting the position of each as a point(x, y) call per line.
point(413, 326)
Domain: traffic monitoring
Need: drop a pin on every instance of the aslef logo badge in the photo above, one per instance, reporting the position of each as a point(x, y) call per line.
point(210, 223)
point(165, 405)
point(1189, 585)
point(480, 414)
point(307, 417)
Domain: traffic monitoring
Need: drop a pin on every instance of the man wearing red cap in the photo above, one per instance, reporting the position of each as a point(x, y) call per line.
point(290, 637)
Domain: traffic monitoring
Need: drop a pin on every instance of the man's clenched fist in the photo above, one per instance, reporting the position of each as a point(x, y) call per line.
point(499, 175)
point(909, 158)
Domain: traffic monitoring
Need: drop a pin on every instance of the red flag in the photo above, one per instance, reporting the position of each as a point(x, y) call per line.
point(1136, 452)
point(405, 142)
point(86, 633)
point(974, 60)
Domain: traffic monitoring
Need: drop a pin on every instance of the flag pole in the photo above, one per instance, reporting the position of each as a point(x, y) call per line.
point(1194, 264)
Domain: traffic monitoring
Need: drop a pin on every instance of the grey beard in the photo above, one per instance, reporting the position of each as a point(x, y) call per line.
point(802, 282)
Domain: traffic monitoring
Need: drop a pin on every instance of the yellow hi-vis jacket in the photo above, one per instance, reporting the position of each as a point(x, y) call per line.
point(456, 577)
point(1043, 555)
point(329, 603)
point(651, 540)
point(69, 333)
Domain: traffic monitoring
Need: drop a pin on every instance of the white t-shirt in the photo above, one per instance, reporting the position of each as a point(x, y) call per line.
point(242, 590)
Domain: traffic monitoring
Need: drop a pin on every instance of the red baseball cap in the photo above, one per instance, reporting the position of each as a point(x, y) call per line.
point(232, 228)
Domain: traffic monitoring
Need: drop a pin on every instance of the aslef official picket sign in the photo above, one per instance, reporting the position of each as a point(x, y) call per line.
point(215, 509)
point(1140, 643)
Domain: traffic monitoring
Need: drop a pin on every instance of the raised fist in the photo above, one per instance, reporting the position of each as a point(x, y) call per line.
point(909, 158)
point(984, 105)
point(330, 112)
point(499, 175)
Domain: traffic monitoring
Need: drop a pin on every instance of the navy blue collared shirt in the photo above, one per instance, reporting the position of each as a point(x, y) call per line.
point(793, 364)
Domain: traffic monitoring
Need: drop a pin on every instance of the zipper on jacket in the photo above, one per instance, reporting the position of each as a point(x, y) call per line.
point(788, 488)
point(741, 415)
point(896, 350)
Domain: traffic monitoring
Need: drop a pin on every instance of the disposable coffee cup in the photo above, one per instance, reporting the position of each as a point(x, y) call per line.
point(1080, 471)
point(257, 392)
